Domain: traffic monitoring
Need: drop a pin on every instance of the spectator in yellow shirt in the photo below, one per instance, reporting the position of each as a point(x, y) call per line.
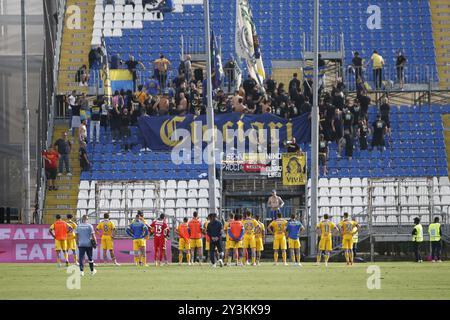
point(377, 67)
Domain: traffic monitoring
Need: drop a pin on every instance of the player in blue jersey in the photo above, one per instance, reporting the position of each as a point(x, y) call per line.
point(293, 230)
point(138, 231)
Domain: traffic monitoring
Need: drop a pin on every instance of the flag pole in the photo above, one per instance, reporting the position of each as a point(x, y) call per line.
point(26, 184)
point(210, 115)
point(315, 137)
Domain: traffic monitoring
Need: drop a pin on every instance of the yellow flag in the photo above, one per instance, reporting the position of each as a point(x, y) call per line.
point(294, 169)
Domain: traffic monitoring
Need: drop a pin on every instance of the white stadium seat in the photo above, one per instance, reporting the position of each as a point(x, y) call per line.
point(335, 192)
point(170, 194)
point(84, 185)
point(345, 182)
point(181, 203)
point(356, 182)
point(171, 184)
point(82, 204)
point(148, 203)
point(136, 204)
point(192, 203)
point(181, 193)
point(149, 194)
point(98, 17)
point(108, 17)
point(203, 184)
point(138, 25)
point(138, 194)
point(107, 32)
point(117, 33)
point(108, 24)
point(203, 203)
point(109, 8)
point(169, 204)
point(98, 24)
point(324, 202)
point(203, 193)
point(128, 16)
point(128, 8)
point(182, 184)
point(193, 184)
point(83, 195)
point(116, 194)
point(192, 193)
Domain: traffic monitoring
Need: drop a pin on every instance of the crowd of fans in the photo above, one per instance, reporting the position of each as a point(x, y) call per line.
point(343, 121)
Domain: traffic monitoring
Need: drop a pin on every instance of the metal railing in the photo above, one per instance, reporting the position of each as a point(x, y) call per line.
point(412, 75)
point(327, 43)
point(47, 94)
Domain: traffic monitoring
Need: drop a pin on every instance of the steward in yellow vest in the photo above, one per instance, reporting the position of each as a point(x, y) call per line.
point(435, 231)
point(417, 239)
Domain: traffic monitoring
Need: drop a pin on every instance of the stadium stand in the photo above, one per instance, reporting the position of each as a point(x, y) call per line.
point(146, 34)
point(124, 182)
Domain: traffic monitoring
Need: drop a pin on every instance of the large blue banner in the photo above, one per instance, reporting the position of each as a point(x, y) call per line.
point(166, 132)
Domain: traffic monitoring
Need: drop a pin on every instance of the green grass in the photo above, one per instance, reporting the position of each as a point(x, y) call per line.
point(401, 280)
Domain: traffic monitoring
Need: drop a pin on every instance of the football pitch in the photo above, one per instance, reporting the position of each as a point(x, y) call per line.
point(399, 280)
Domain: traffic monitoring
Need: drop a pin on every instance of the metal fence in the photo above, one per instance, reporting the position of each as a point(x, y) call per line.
point(413, 75)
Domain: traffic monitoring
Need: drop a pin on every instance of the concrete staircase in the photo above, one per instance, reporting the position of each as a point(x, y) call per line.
point(440, 12)
point(446, 122)
point(64, 200)
point(76, 44)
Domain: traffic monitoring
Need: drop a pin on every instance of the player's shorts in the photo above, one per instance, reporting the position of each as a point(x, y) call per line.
point(279, 243)
point(347, 243)
point(207, 245)
point(228, 244)
point(139, 243)
point(196, 243)
point(249, 242)
point(183, 244)
point(107, 243)
point(294, 244)
point(236, 244)
point(326, 244)
point(71, 244)
point(259, 244)
point(61, 245)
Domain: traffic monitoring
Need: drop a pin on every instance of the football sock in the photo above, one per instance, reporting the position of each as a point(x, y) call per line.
point(283, 254)
point(143, 260)
point(188, 257)
point(75, 259)
point(253, 259)
point(91, 266)
point(66, 256)
point(58, 259)
point(180, 258)
point(275, 256)
point(327, 257)
point(347, 257)
point(350, 254)
point(319, 258)
point(136, 259)
point(293, 256)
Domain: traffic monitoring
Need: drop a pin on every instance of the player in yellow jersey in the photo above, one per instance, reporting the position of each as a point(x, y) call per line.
point(347, 228)
point(71, 241)
point(278, 228)
point(108, 230)
point(250, 226)
point(260, 233)
point(228, 248)
point(325, 229)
